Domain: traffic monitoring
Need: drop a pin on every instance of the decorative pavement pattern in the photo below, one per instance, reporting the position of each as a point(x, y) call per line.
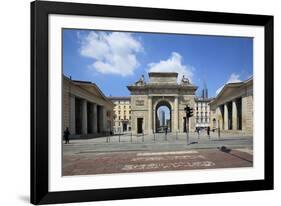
point(93, 162)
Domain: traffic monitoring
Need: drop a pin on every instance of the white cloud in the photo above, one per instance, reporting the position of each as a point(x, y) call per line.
point(232, 79)
point(111, 52)
point(172, 64)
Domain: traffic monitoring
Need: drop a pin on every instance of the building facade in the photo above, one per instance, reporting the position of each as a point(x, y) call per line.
point(162, 89)
point(86, 111)
point(122, 114)
point(202, 112)
point(233, 108)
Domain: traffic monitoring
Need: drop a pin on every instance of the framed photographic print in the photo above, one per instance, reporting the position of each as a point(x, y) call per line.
point(131, 102)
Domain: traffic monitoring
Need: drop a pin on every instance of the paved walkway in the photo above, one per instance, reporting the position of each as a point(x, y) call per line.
point(159, 142)
point(126, 153)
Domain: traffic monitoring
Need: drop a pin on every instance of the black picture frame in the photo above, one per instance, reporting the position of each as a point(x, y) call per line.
point(40, 108)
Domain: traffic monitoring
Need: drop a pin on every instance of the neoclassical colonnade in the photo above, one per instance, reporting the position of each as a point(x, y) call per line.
point(230, 115)
point(86, 117)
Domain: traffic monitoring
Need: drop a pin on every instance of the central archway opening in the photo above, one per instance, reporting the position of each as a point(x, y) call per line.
point(163, 117)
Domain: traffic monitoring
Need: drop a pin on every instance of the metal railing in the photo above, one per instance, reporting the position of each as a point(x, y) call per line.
point(129, 137)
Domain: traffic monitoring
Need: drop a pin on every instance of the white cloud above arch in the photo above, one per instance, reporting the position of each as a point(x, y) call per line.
point(172, 64)
point(111, 52)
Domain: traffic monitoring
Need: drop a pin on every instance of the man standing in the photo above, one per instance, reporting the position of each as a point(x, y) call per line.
point(66, 134)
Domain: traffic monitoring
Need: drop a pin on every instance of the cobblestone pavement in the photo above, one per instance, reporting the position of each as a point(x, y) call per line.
point(126, 153)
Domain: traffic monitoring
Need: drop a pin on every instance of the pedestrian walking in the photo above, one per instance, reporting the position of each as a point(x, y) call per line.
point(66, 135)
point(198, 132)
point(208, 132)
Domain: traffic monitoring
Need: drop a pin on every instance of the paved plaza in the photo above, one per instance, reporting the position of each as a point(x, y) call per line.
point(144, 153)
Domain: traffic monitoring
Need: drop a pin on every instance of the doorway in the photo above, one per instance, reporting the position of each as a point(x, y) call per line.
point(140, 125)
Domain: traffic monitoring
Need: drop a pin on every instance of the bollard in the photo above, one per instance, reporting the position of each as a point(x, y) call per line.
point(119, 137)
point(176, 135)
point(154, 137)
point(131, 137)
point(142, 137)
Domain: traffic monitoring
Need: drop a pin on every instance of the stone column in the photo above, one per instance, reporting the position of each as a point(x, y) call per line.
point(219, 118)
point(101, 118)
point(72, 116)
point(244, 113)
point(104, 122)
point(95, 118)
point(154, 120)
point(234, 115)
point(225, 117)
point(84, 117)
point(176, 115)
point(149, 123)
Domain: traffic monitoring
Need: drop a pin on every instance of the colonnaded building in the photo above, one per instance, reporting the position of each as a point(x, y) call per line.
point(161, 89)
point(87, 112)
point(233, 108)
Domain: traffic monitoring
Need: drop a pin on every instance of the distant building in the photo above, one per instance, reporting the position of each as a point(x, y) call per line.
point(202, 111)
point(86, 110)
point(162, 118)
point(122, 114)
point(233, 108)
point(204, 92)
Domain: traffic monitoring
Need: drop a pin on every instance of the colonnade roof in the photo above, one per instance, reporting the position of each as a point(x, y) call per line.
point(231, 88)
point(89, 87)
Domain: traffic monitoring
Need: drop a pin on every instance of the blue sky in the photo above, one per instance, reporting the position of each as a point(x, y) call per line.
point(114, 60)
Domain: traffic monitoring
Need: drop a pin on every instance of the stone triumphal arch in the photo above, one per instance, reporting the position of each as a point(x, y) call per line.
point(161, 88)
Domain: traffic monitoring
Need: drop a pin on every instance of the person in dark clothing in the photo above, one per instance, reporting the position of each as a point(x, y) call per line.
point(208, 132)
point(198, 132)
point(66, 135)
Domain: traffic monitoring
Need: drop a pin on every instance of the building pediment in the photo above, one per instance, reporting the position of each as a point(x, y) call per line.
point(231, 91)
